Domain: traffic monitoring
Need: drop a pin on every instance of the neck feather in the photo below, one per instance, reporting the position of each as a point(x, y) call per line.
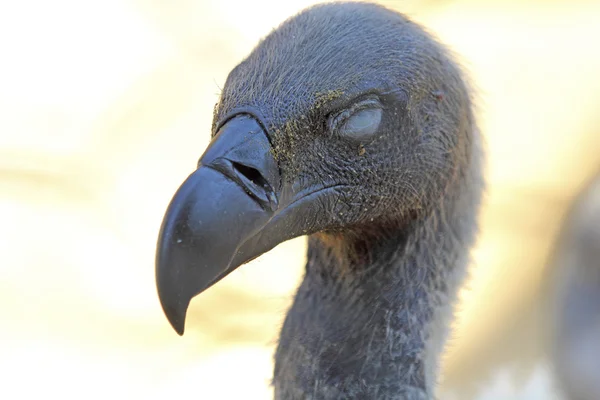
point(371, 316)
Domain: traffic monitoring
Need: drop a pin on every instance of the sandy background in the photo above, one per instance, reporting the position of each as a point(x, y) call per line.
point(105, 107)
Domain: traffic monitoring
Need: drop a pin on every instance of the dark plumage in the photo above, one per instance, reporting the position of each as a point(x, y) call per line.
point(388, 197)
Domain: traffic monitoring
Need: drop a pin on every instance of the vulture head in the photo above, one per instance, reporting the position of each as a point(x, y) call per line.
point(348, 123)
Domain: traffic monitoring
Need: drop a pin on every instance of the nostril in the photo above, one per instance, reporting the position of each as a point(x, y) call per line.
point(255, 185)
point(251, 174)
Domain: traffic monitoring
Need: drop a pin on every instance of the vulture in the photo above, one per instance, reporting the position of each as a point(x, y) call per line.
point(352, 125)
point(575, 294)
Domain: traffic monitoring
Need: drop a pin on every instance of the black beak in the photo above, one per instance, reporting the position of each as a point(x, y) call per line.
point(232, 209)
point(207, 230)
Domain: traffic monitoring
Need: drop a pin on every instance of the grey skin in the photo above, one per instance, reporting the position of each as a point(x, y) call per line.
point(575, 293)
point(388, 198)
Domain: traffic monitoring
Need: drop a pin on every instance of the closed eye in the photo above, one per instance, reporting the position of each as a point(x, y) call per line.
point(362, 124)
point(358, 122)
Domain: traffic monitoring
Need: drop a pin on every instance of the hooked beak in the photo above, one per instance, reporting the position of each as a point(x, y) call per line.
point(225, 214)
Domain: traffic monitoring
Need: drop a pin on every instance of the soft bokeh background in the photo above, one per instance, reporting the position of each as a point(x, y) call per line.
point(105, 107)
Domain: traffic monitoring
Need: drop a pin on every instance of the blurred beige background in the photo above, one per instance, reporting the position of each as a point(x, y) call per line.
point(105, 107)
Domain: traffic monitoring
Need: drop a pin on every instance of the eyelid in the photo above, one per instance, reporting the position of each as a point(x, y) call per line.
point(337, 121)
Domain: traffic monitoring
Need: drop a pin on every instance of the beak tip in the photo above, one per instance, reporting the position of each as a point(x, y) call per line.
point(177, 322)
point(179, 329)
point(175, 314)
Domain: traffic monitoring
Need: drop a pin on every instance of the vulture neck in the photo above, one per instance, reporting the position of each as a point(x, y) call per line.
point(371, 316)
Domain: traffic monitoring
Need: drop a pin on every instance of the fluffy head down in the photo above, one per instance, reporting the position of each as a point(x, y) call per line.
point(320, 63)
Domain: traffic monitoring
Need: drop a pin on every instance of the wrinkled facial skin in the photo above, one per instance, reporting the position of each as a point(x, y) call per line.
point(297, 89)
